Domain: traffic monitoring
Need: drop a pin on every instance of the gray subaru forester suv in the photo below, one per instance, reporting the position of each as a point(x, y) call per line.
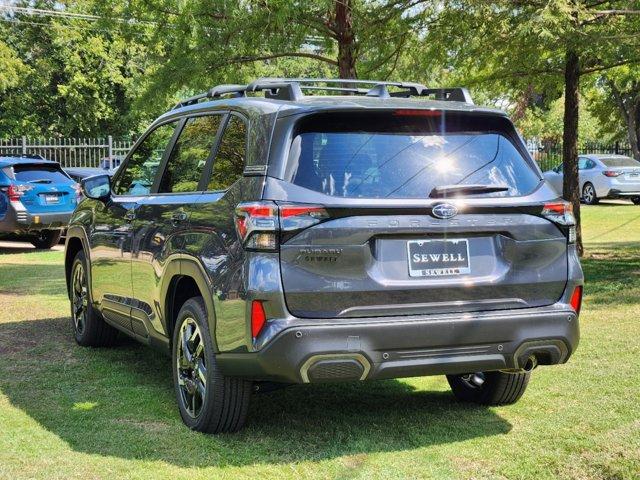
point(270, 234)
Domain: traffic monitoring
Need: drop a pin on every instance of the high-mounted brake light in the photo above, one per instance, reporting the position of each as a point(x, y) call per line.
point(611, 173)
point(416, 112)
point(258, 318)
point(14, 192)
point(576, 299)
point(259, 223)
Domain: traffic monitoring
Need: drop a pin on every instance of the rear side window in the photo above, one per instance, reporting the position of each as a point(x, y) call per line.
point(40, 174)
point(620, 162)
point(229, 162)
point(406, 154)
point(189, 155)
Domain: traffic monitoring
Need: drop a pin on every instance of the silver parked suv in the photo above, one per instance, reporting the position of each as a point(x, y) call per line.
point(259, 234)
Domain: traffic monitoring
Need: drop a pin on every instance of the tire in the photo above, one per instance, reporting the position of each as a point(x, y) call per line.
point(208, 401)
point(635, 200)
point(46, 239)
point(89, 328)
point(489, 388)
point(589, 196)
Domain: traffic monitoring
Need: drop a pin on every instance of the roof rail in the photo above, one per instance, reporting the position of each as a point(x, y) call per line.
point(292, 89)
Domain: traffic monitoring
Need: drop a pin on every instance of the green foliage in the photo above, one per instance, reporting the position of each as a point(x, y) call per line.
point(79, 77)
point(547, 124)
point(11, 67)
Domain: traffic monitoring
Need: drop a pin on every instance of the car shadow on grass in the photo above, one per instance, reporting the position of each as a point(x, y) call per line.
point(120, 402)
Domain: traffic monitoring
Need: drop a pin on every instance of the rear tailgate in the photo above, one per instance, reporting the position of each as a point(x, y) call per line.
point(46, 188)
point(392, 245)
point(369, 265)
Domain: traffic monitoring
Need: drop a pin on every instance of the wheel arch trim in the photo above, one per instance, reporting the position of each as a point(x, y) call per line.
point(182, 265)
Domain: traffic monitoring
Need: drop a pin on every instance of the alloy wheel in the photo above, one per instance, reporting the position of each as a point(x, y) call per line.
point(588, 194)
point(192, 368)
point(80, 301)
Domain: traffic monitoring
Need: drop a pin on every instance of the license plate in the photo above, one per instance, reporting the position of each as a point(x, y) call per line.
point(438, 258)
point(52, 198)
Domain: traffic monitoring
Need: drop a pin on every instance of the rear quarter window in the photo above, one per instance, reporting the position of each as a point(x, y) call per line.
point(407, 155)
point(620, 162)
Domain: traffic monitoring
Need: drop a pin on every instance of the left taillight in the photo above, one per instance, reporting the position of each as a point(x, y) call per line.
point(14, 192)
point(259, 224)
point(561, 213)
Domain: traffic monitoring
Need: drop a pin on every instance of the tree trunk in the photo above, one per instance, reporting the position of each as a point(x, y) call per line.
point(633, 128)
point(346, 39)
point(571, 185)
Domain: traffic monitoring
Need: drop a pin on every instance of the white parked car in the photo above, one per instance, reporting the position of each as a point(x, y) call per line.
point(603, 176)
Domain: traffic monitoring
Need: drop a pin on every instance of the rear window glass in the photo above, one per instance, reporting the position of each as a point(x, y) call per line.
point(406, 154)
point(620, 162)
point(40, 173)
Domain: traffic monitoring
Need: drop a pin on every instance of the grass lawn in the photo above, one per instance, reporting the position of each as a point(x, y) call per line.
point(70, 412)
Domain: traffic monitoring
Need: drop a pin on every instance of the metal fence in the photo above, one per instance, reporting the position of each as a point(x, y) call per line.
point(70, 152)
point(549, 154)
point(108, 153)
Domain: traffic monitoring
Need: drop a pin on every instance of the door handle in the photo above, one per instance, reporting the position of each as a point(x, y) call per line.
point(178, 217)
point(130, 216)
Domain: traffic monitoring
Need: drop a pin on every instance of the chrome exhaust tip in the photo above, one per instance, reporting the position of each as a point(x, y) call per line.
point(530, 363)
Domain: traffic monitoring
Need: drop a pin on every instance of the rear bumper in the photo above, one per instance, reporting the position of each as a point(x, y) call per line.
point(19, 220)
point(396, 347)
point(624, 193)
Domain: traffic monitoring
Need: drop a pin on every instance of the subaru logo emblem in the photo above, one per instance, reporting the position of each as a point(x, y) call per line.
point(444, 210)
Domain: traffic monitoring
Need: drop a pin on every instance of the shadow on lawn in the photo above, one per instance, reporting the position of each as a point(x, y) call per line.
point(120, 402)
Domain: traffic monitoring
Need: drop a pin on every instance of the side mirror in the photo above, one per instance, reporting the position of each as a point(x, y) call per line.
point(97, 187)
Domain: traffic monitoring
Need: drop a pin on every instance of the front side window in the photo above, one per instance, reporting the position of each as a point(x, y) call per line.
point(398, 155)
point(189, 155)
point(229, 162)
point(140, 170)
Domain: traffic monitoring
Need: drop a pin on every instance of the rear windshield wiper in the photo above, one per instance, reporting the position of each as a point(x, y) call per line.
point(40, 180)
point(445, 190)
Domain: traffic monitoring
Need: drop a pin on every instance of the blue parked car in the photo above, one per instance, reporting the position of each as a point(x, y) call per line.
point(37, 199)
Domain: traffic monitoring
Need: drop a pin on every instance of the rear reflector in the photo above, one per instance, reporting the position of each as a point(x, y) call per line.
point(258, 318)
point(576, 299)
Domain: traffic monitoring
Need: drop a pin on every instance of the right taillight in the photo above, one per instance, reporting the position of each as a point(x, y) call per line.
point(561, 213)
point(259, 224)
point(576, 299)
